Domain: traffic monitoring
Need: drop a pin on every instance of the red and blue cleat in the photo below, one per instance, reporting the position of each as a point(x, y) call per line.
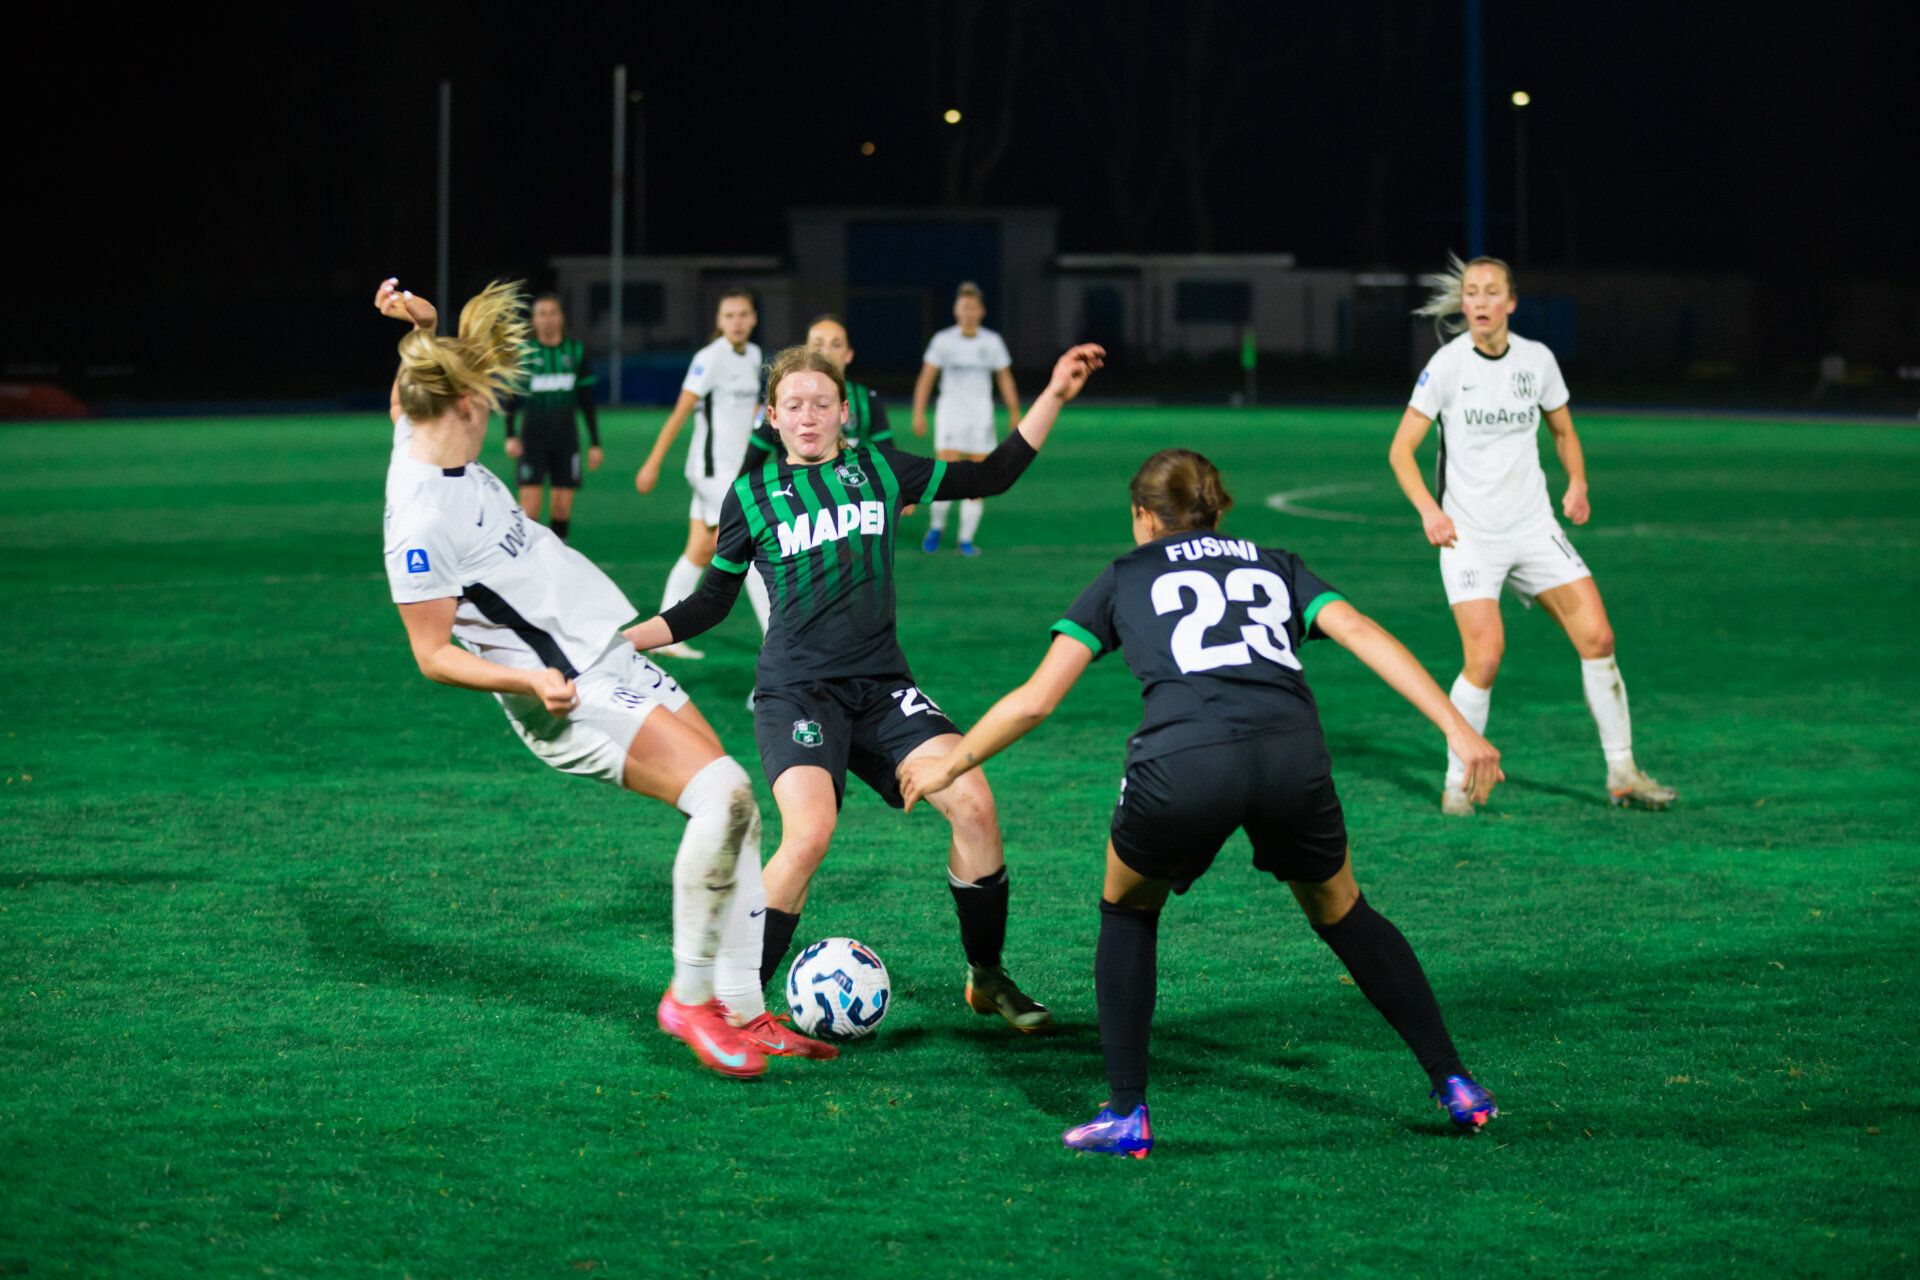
point(1468, 1104)
point(1128, 1135)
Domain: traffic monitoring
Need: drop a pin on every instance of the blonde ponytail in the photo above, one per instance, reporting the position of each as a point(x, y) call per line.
point(1444, 303)
point(483, 361)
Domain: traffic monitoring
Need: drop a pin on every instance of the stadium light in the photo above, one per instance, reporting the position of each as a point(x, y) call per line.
point(952, 116)
point(1521, 97)
point(866, 148)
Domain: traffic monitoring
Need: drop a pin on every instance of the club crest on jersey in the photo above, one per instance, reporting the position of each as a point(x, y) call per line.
point(851, 475)
point(417, 562)
point(807, 733)
point(1523, 384)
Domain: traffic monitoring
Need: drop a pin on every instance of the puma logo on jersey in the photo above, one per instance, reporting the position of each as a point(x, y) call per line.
point(783, 493)
point(832, 524)
point(1203, 548)
point(551, 382)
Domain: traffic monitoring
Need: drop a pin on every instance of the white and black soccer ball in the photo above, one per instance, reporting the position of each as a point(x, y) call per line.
point(838, 988)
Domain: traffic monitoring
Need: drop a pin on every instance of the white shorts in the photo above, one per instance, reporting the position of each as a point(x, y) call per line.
point(617, 694)
point(1475, 570)
point(708, 493)
point(964, 433)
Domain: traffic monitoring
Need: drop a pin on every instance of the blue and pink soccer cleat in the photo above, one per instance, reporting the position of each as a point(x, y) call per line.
point(1128, 1135)
point(1468, 1104)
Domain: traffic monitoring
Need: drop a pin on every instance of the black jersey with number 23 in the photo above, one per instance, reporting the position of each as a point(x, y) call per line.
point(1211, 627)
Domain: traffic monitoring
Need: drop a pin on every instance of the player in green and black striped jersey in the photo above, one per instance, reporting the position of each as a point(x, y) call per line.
point(835, 693)
point(557, 383)
point(866, 416)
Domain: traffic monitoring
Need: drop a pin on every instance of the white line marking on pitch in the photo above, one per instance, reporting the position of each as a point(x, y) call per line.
point(1288, 503)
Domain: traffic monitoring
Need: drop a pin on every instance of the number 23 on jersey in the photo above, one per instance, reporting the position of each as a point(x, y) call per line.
point(1269, 606)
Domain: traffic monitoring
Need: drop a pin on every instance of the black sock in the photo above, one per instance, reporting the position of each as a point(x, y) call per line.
point(1126, 973)
point(982, 907)
point(775, 942)
point(559, 528)
point(1389, 974)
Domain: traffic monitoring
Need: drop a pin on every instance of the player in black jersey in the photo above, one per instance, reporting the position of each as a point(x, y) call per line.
point(1231, 739)
point(866, 416)
point(558, 383)
point(835, 693)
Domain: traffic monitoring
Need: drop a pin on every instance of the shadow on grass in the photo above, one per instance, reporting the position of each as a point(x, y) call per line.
point(352, 942)
point(1418, 773)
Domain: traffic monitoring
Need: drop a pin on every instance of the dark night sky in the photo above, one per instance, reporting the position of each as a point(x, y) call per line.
point(170, 175)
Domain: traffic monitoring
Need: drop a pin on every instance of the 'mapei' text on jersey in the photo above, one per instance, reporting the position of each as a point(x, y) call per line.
point(822, 539)
point(1488, 412)
point(967, 366)
point(556, 383)
point(526, 599)
point(1211, 627)
point(728, 384)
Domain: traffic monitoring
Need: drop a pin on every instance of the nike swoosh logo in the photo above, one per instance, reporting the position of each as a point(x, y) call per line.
point(1468, 386)
point(755, 914)
point(731, 1059)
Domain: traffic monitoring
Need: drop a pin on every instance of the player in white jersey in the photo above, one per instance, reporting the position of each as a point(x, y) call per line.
point(1489, 390)
point(969, 362)
point(722, 394)
point(538, 626)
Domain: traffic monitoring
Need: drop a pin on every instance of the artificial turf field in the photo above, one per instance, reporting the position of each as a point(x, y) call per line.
point(311, 970)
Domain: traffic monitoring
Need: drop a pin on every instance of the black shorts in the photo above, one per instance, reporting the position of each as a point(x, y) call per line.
point(549, 462)
point(867, 724)
point(1176, 810)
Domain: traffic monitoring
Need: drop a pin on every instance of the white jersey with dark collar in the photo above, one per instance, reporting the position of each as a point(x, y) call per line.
point(526, 598)
point(1488, 412)
point(728, 384)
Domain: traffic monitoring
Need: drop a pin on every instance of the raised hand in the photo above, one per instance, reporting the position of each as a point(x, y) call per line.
point(1071, 371)
point(400, 304)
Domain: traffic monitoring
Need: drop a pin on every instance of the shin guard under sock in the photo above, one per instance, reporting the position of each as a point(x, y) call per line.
point(1126, 975)
point(776, 941)
point(1389, 974)
point(982, 908)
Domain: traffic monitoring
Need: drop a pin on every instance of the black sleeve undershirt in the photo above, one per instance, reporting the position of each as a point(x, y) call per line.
point(992, 475)
point(706, 608)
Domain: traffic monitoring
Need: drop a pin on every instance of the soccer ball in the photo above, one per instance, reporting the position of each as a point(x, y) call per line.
point(838, 988)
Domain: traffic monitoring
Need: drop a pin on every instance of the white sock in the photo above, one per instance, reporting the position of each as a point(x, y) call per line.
point(1474, 703)
point(682, 581)
point(940, 510)
point(1607, 699)
point(736, 970)
point(718, 802)
point(757, 597)
point(971, 510)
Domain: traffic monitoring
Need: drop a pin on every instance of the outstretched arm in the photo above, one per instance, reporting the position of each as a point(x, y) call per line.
point(997, 472)
point(400, 304)
point(429, 626)
point(1413, 429)
point(1374, 645)
point(1010, 719)
point(1567, 444)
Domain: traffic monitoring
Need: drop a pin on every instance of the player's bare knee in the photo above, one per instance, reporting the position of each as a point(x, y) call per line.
point(1598, 644)
point(971, 810)
point(1482, 667)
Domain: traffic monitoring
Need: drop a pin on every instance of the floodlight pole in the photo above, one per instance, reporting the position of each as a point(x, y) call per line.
point(443, 295)
point(1476, 138)
point(616, 260)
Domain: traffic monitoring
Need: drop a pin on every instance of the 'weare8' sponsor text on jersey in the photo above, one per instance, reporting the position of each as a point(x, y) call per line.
point(1211, 627)
point(526, 599)
point(1488, 411)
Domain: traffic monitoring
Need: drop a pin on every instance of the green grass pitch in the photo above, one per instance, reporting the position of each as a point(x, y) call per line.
point(309, 969)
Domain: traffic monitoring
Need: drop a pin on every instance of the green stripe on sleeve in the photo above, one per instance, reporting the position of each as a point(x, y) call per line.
point(1074, 631)
point(933, 485)
point(1320, 602)
point(725, 565)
